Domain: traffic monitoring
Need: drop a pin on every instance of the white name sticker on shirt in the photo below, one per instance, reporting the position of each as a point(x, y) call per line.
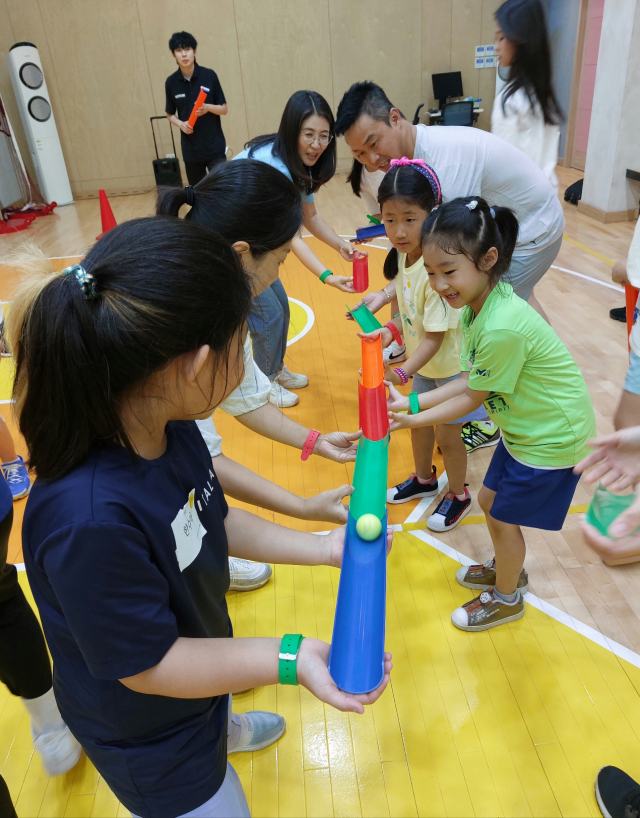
point(188, 532)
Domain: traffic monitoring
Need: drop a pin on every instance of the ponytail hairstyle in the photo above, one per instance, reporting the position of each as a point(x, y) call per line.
point(468, 226)
point(149, 291)
point(414, 182)
point(523, 23)
point(243, 200)
point(355, 177)
point(299, 107)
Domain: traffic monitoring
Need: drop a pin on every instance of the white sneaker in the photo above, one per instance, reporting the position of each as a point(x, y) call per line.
point(394, 353)
point(291, 380)
point(58, 750)
point(247, 576)
point(282, 397)
point(254, 730)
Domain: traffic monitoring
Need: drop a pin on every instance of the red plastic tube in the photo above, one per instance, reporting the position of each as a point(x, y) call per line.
point(360, 273)
point(201, 98)
point(631, 298)
point(372, 405)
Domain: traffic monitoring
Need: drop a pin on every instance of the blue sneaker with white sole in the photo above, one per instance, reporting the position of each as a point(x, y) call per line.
point(254, 730)
point(17, 477)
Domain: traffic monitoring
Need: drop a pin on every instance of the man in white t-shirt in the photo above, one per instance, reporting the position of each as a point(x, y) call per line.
point(469, 162)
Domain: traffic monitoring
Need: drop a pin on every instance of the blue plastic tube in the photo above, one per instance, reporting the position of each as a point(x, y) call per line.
point(356, 662)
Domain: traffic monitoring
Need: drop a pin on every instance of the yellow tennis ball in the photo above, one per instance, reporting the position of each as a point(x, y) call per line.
point(369, 527)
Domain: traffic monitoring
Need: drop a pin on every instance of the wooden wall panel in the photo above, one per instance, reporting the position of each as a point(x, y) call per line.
point(99, 54)
point(487, 79)
point(26, 23)
point(7, 39)
point(369, 41)
point(214, 26)
point(467, 18)
point(436, 46)
point(284, 47)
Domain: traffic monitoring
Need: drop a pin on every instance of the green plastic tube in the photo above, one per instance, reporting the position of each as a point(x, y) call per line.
point(365, 319)
point(370, 478)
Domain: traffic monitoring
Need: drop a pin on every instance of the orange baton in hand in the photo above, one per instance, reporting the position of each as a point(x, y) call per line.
point(200, 101)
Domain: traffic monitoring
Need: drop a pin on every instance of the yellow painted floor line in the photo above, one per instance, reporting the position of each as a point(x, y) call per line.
point(588, 250)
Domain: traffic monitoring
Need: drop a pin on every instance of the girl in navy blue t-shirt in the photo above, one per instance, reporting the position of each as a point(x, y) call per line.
point(127, 532)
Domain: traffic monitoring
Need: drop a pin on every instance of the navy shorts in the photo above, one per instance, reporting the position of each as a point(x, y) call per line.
point(537, 498)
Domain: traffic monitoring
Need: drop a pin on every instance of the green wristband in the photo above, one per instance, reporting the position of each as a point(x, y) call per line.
point(325, 275)
point(288, 667)
point(414, 403)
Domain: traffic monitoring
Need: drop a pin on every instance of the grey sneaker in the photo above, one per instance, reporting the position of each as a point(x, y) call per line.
point(246, 575)
point(481, 577)
point(487, 611)
point(282, 398)
point(257, 730)
point(291, 380)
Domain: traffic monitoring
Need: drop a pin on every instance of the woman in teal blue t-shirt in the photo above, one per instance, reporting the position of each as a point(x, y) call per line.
point(304, 149)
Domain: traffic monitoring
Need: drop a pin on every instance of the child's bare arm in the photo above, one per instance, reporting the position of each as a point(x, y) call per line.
point(198, 668)
point(423, 354)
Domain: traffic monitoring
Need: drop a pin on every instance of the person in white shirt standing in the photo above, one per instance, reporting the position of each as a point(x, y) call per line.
point(526, 112)
point(628, 411)
point(468, 162)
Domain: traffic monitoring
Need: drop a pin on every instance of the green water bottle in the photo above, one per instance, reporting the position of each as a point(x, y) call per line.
point(606, 507)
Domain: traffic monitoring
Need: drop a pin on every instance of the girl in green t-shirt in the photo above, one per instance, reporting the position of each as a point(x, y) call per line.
point(515, 364)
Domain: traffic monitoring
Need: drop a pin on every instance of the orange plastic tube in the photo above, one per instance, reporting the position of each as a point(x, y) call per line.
point(372, 365)
point(201, 98)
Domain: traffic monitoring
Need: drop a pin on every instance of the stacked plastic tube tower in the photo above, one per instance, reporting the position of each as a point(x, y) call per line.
point(356, 663)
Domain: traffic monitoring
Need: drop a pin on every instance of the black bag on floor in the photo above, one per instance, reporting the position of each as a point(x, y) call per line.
point(573, 193)
point(166, 171)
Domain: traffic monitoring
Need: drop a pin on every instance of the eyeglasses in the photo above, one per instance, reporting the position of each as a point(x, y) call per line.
point(323, 139)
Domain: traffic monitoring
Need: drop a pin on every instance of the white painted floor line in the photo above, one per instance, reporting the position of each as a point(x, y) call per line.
point(311, 319)
point(560, 616)
point(19, 566)
point(426, 502)
point(2, 402)
point(589, 278)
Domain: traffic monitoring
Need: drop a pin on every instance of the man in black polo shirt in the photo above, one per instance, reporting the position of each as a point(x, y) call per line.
point(203, 146)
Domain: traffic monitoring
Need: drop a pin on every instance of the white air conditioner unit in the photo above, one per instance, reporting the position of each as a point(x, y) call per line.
point(39, 124)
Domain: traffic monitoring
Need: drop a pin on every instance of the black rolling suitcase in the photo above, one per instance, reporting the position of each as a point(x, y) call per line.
point(166, 171)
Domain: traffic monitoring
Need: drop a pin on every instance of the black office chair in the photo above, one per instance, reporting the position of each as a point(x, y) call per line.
point(416, 116)
point(458, 113)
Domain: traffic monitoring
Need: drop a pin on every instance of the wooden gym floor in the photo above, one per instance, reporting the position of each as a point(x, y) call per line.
point(514, 721)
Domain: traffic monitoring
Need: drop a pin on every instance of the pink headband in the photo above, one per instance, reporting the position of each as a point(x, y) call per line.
point(421, 166)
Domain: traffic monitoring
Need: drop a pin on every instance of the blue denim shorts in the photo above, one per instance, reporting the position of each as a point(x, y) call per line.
point(525, 495)
point(632, 381)
point(422, 384)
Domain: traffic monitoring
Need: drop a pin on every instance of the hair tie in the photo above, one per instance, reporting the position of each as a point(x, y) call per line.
point(428, 172)
point(86, 280)
point(190, 195)
point(472, 205)
point(493, 212)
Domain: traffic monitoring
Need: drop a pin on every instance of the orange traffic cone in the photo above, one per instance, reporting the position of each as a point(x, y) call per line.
point(106, 214)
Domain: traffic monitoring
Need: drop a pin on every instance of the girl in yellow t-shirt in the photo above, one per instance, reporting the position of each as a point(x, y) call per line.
point(432, 336)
